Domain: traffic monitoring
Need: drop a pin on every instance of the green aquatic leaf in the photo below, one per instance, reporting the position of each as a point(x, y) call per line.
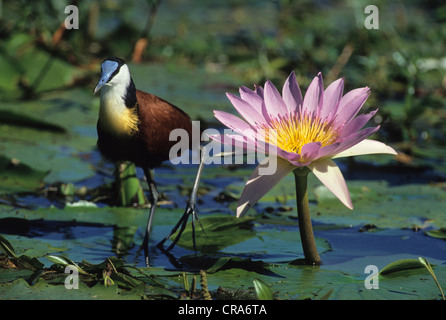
point(64, 261)
point(213, 264)
point(401, 265)
point(114, 262)
point(130, 191)
point(438, 234)
point(22, 120)
point(263, 291)
point(42, 290)
point(215, 232)
point(6, 247)
point(247, 264)
point(59, 260)
point(18, 177)
point(219, 264)
point(30, 263)
point(50, 134)
point(432, 273)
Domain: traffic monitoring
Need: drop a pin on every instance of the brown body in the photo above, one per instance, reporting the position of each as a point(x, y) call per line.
point(149, 145)
point(136, 126)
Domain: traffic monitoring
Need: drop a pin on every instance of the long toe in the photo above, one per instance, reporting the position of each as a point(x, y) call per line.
point(184, 219)
point(181, 225)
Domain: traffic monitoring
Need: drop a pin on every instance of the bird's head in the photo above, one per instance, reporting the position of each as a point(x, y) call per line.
point(114, 72)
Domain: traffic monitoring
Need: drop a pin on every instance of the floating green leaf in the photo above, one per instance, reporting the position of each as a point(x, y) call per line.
point(6, 247)
point(64, 261)
point(18, 177)
point(23, 261)
point(30, 263)
point(401, 265)
point(19, 119)
point(431, 271)
point(438, 234)
point(216, 232)
point(59, 260)
point(262, 290)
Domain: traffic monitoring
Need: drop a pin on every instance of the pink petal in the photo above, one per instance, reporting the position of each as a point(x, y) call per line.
point(258, 185)
point(328, 151)
point(256, 101)
point(310, 151)
point(235, 140)
point(274, 103)
point(314, 95)
point(292, 96)
point(258, 90)
point(291, 157)
point(251, 97)
point(367, 146)
point(354, 138)
point(357, 123)
point(350, 104)
point(332, 97)
point(235, 123)
point(329, 174)
point(246, 110)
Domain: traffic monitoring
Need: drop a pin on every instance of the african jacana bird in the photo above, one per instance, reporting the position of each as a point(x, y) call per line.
point(134, 126)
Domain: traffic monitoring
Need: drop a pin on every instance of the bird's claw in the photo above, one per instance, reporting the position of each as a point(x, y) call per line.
point(181, 224)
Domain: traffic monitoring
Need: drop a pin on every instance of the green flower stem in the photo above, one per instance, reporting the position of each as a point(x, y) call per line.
point(303, 215)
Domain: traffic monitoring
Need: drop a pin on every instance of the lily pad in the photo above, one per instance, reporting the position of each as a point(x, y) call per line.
point(400, 265)
point(213, 233)
point(19, 177)
point(438, 234)
point(262, 290)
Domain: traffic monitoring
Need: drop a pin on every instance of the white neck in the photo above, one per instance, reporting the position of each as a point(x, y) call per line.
point(113, 111)
point(117, 86)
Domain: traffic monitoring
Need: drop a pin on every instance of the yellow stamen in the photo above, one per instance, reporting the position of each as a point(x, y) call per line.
point(293, 132)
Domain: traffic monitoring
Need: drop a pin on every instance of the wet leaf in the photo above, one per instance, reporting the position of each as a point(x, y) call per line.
point(64, 261)
point(31, 263)
point(17, 119)
point(41, 290)
point(432, 273)
point(59, 260)
point(213, 264)
point(262, 290)
point(93, 268)
point(216, 232)
point(438, 234)
point(18, 177)
point(6, 247)
point(401, 265)
point(130, 191)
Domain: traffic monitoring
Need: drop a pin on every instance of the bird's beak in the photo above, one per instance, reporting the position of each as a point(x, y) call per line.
point(98, 87)
point(108, 68)
point(100, 84)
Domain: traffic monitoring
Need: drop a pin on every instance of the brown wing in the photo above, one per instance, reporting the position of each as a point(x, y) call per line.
point(157, 119)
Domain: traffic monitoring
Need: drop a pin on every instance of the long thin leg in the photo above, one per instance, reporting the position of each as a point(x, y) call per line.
point(153, 202)
point(190, 209)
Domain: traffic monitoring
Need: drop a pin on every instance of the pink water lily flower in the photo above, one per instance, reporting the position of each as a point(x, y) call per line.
point(306, 131)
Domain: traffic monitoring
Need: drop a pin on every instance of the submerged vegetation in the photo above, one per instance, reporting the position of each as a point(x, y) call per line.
point(62, 205)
